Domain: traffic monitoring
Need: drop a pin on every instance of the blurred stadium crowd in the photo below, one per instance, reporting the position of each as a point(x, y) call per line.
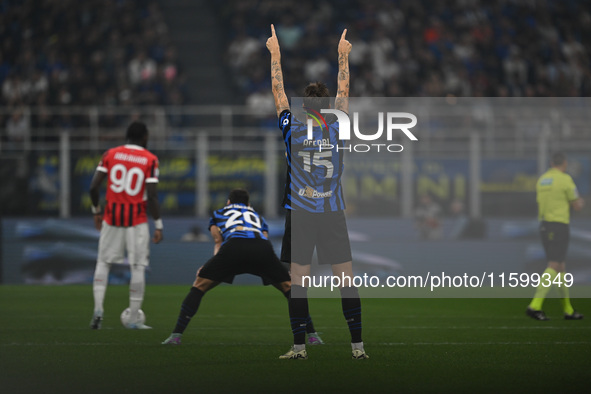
point(536, 48)
point(64, 53)
point(92, 52)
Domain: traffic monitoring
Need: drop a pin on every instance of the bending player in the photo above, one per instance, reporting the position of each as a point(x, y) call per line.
point(314, 199)
point(241, 246)
point(132, 177)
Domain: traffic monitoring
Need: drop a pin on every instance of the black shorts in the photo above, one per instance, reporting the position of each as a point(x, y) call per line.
point(245, 256)
point(327, 232)
point(555, 237)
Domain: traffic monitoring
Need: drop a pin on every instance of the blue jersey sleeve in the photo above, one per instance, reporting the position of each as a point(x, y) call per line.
point(285, 124)
point(264, 226)
point(212, 221)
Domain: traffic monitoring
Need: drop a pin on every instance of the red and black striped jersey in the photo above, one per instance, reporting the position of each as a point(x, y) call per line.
point(128, 168)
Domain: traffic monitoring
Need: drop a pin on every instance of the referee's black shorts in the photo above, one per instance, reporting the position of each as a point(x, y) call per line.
point(245, 256)
point(327, 232)
point(555, 237)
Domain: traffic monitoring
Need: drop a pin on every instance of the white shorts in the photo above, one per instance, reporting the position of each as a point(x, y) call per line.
point(114, 241)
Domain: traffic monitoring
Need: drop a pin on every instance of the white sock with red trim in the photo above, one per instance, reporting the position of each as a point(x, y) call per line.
point(99, 286)
point(137, 287)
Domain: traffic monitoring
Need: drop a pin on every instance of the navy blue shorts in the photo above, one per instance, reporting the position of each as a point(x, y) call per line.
point(245, 256)
point(326, 232)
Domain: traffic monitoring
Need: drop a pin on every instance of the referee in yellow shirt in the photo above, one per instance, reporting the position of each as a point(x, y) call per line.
point(555, 192)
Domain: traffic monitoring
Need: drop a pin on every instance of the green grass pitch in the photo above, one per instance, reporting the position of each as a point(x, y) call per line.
point(232, 345)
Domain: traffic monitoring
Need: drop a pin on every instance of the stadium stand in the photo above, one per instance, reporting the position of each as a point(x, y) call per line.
point(120, 54)
point(66, 53)
point(73, 73)
point(417, 48)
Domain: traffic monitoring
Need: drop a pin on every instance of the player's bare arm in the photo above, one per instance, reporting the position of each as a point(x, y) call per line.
point(95, 185)
point(281, 102)
point(216, 234)
point(154, 208)
point(342, 100)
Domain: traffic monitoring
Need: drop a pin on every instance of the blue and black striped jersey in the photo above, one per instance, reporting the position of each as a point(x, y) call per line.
point(239, 221)
point(313, 176)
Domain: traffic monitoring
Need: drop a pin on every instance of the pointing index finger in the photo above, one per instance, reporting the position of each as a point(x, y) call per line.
point(272, 30)
point(344, 33)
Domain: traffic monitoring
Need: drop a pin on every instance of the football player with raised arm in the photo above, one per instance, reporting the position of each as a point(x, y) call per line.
point(314, 199)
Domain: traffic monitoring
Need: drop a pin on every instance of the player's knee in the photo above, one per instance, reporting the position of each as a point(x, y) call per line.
point(137, 272)
point(343, 269)
point(284, 286)
point(296, 280)
point(204, 284)
point(101, 271)
point(298, 275)
point(103, 264)
point(138, 268)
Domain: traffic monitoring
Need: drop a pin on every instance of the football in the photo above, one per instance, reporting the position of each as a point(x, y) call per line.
point(125, 317)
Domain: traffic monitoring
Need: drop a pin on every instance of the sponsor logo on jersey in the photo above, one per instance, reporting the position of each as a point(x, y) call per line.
point(320, 142)
point(313, 193)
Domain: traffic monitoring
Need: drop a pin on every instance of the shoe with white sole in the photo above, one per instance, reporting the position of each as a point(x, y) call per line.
point(173, 339)
point(96, 322)
point(292, 354)
point(359, 354)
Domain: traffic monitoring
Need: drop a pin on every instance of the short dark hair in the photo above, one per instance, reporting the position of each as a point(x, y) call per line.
point(239, 196)
point(558, 159)
point(316, 96)
point(136, 131)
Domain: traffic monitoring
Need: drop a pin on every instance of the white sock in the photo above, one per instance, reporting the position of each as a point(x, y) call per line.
point(298, 348)
point(99, 286)
point(137, 287)
point(357, 345)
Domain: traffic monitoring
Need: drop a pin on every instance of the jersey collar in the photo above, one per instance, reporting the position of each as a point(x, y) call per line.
point(134, 146)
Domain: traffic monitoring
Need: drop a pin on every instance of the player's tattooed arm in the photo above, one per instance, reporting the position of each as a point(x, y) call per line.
point(154, 208)
point(342, 100)
point(281, 102)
